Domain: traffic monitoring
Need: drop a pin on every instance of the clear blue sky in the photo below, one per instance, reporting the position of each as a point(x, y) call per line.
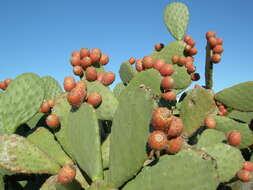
point(39, 35)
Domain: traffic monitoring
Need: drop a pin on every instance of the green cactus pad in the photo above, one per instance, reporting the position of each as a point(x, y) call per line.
point(118, 89)
point(32, 122)
point(130, 131)
point(210, 137)
point(239, 185)
point(239, 97)
point(229, 160)
point(196, 105)
point(185, 170)
point(225, 125)
point(52, 184)
point(21, 101)
point(99, 185)
point(52, 87)
point(105, 152)
point(245, 117)
point(176, 17)
point(19, 155)
point(80, 179)
point(181, 78)
point(106, 109)
point(62, 109)
point(150, 78)
point(84, 138)
point(43, 139)
point(127, 72)
point(1, 182)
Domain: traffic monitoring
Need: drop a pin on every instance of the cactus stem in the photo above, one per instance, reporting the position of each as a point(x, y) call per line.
point(209, 68)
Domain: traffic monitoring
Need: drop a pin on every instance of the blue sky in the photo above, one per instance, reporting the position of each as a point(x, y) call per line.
point(39, 35)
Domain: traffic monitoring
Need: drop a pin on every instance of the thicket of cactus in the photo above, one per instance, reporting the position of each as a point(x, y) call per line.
point(138, 136)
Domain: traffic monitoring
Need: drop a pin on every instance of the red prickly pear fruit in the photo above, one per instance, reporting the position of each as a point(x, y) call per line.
point(75, 53)
point(84, 52)
point(189, 59)
point(158, 63)
point(210, 34)
point(76, 96)
point(219, 41)
point(44, 107)
point(167, 83)
point(95, 57)
point(100, 77)
point(147, 62)
point(190, 67)
point(187, 38)
point(3, 86)
point(159, 47)
point(187, 48)
point(69, 83)
point(81, 84)
point(75, 61)
point(182, 61)
point(166, 70)
point(248, 166)
point(212, 42)
point(138, 66)
point(91, 74)
point(174, 145)
point(96, 51)
point(131, 60)
point(7, 81)
point(158, 140)
point(51, 103)
point(161, 118)
point(176, 127)
point(210, 122)
point(104, 59)
point(197, 86)
point(175, 59)
point(94, 99)
point(244, 175)
point(66, 174)
point(108, 78)
point(195, 76)
point(52, 121)
point(191, 43)
point(234, 138)
point(216, 58)
point(169, 96)
point(78, 70)
point(192, 51)
point(86, 62)
point(218, 49)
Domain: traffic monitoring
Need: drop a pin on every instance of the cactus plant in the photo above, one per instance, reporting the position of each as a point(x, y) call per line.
point(118, 142)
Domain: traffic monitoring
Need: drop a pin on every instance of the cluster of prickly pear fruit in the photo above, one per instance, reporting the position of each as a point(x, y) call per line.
point(149, 132)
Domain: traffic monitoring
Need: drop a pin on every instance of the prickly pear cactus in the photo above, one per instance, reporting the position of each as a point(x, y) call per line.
point(149, 133)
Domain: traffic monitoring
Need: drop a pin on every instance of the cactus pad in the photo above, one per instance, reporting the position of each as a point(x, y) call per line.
point(43, 139)
point(245, 117)
point(130, 131)
point(239, 96)
point(176, 172)
point(176, 17)
point(21, 101)
point(18, 155)
point(33, 121)
point(210, 137)
point(118, 89)
point(196, 105)
point(106, 109)
point(84, 138)
point(52, 184)
point(106, 151)
point(226, 124)
point(52, 87)
point(127, 72)
point(229, 160)
point(181, 78)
